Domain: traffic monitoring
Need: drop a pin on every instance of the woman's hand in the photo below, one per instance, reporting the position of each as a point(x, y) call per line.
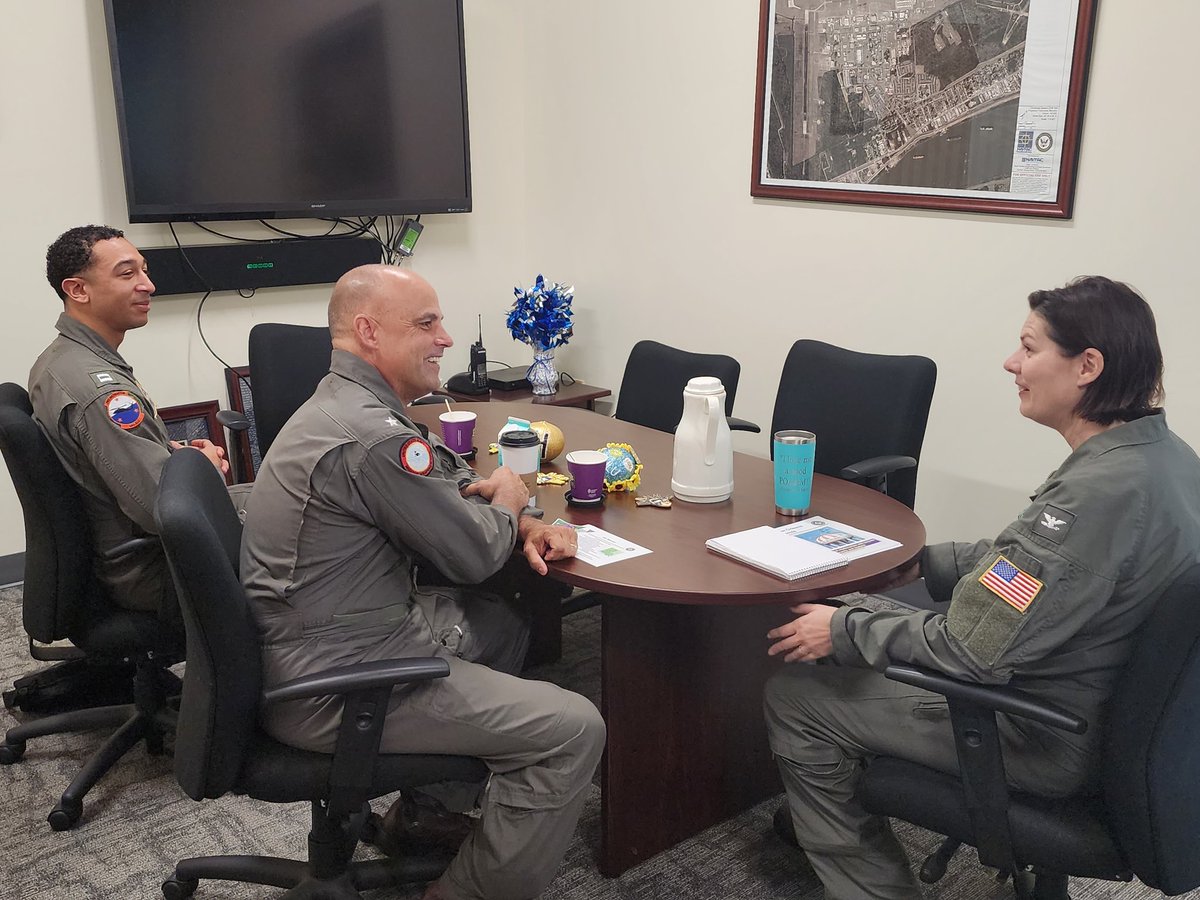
point(807, 637)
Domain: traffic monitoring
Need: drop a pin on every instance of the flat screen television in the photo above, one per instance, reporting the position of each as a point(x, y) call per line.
point(264, 109)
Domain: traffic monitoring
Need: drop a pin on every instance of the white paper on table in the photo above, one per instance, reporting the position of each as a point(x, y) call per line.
point(598, 547)
point(851, 542)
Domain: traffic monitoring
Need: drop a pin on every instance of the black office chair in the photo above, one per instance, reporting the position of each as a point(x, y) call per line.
point(655, 376)
point(868, 412)
point(1145, 821)
point(62, 600)
point(287, 362)
point(220, 748)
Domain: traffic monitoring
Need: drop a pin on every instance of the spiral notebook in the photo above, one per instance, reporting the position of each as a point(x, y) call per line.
point(776, 553)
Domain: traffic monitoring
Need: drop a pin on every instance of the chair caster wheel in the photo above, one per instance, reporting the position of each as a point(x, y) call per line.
point(65, 814)
point(174, 889)
point(781, 824)
point(11, 752)
point(371, 828)
point(936, 862)
point(932, 870)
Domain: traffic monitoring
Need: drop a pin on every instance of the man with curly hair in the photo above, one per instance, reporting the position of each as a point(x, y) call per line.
point(99, 419)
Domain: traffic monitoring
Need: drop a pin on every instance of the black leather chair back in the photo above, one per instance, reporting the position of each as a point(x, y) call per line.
point(654, 379)
point(286, 364)
point(859, 405)
point(61, 595)
point(222, 685)
point(1152, 755)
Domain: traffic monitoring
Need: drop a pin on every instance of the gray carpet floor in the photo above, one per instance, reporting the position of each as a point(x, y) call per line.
point(137, 823)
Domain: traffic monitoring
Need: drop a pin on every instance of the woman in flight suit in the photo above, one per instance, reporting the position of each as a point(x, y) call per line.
point(1052, 602)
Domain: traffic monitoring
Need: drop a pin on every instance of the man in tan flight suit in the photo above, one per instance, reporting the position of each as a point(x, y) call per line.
point(99, 419)
point(352, 499)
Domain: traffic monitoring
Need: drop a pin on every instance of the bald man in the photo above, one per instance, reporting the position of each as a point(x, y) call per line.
point(351, 501)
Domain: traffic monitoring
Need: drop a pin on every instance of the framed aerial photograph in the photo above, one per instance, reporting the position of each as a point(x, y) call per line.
point(195, 421)
point(246, 457)
point(969, 105)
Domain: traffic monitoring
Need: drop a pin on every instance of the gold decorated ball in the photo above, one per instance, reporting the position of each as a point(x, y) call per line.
point(552, 439)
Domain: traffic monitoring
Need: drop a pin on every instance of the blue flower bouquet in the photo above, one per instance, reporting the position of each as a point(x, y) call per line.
point(541, 317)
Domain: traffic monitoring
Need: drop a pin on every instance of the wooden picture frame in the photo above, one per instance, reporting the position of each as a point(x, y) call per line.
point(246, 455)
point(196, 421)
point(933, 104)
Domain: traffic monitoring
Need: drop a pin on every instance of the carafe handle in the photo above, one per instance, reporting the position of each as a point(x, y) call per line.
point(710, 438)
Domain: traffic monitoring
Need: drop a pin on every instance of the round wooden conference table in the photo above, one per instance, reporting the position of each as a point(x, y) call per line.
point(683, 634)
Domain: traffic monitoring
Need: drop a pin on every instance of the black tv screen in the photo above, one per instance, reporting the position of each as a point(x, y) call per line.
point(249, 109)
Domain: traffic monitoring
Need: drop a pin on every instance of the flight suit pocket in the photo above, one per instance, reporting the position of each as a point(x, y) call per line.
point(454, 639)
point(980, 617)
point(444, 610)
point(935, 709)
point(384, 619)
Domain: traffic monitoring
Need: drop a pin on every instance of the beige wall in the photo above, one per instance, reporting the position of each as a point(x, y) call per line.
point(611, 148)
point(639, 192)
point(61, 166)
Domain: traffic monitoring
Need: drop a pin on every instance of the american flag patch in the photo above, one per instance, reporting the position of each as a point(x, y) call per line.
point(1010, 584)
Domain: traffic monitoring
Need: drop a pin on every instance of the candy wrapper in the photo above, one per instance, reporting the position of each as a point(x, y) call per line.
point(657, 500)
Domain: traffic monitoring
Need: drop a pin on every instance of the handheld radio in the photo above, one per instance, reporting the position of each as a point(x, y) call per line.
point(478, 366)
point(475, 379)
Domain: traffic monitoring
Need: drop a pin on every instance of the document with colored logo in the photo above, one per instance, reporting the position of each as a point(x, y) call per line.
point(768, 549)
point(845, 540)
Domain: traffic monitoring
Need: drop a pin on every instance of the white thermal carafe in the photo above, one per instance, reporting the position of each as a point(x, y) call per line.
point(702, 469)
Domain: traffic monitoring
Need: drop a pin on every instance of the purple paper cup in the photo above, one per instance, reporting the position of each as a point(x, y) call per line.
point(458, 429)
point(587, 474)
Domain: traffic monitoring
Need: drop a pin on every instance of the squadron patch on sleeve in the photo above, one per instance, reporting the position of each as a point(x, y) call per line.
point(416, 456)
point(1010, 584)
point(124, 410)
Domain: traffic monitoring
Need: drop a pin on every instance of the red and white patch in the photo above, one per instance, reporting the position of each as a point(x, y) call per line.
point(124, 410)
point(416, 456)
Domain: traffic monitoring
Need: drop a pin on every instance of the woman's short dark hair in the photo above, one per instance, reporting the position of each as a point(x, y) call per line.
point(71, 253)
point(1112, 317)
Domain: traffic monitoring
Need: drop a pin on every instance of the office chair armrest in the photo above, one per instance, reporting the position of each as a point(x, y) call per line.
point(233, 420)
point(126, 547)
point(384, 673)
point(876, 466)
point(995, 697)
point(736, 424)
point(973, 709)
point(435, 397)
point(366, 688)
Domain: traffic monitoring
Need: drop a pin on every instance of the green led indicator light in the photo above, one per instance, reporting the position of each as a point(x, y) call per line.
point(260, 265)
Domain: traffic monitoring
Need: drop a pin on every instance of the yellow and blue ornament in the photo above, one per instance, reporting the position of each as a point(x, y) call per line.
point(623, 470)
